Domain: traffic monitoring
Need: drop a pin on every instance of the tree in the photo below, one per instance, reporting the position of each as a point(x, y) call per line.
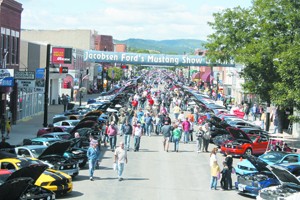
point(118, 72)
point(257, 37)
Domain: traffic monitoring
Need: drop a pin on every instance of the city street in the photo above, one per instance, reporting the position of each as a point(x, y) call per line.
point(153, 174)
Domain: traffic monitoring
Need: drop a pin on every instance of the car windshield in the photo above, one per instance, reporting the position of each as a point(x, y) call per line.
point(272, 156)
point(38, 151)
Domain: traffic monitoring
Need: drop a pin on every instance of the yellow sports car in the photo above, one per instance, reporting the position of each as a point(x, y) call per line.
point(53, 180)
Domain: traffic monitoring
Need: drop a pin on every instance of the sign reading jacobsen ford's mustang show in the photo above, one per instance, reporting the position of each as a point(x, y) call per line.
point(149, 59)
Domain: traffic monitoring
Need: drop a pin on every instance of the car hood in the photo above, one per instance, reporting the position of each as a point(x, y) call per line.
point(238, 134)
point(57, 148)
point(33, 172)
point(284, 176)
point(259, 164)
point(14, 188)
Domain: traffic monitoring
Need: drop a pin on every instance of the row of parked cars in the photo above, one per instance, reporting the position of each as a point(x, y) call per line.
point(274, 174)
point(43, 167)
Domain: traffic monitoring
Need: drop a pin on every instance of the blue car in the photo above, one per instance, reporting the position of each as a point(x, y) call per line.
point(74, 151)
point(251, 184)
point(271, 157)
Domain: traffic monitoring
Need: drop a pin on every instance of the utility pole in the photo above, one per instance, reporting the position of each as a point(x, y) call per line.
point(46, 98)
point(80, 86)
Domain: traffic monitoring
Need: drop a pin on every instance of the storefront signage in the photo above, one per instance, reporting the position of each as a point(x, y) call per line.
point(7, 77)
point(24, 75)
point(61, 55)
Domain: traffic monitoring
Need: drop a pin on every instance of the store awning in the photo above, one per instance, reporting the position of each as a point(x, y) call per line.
point(206, 76)
point(196, 75)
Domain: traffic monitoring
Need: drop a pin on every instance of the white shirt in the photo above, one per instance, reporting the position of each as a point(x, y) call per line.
point(138, 131)
point(212, 159)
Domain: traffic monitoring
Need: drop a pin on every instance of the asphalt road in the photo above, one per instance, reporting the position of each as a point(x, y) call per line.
point(153, 174)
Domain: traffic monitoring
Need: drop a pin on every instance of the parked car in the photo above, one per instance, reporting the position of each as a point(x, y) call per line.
point(52, 156)
point(32, 191)
point(244, 144)
point(288, 190)
point(49, 129)
point(251, 184)
point(72, 123)
point(51, 179)
point(271, 158)
point(74, 152)
point(57, 135)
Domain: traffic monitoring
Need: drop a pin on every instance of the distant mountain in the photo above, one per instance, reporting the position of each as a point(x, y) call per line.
point(179, 46)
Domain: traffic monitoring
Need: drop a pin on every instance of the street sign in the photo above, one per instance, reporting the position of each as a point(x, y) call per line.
point(26, 83)
point(24, 75)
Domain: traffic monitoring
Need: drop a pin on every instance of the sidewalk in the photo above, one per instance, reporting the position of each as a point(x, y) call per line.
point(28, 127)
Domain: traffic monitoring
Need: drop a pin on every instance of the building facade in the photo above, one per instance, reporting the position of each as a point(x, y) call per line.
point(10, 26)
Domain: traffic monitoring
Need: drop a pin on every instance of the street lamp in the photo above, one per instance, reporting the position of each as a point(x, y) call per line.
point(217, 93)
point(80, 87)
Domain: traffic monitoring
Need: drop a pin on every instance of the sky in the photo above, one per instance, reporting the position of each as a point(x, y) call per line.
point(124, 19)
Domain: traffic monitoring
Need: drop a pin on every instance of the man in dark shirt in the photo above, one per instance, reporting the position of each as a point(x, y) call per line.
point(228, 161)
point(127, 130)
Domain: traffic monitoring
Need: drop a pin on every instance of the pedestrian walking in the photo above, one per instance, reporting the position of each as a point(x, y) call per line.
point(8, 127)
point(206, 137)
point(64, 101)
point(112, 135)
point(191, 132)
point(137, 134)
point(127, 130)
point(186, 128)
point(176, 135)
point(199, 136)
point(93, 154)
point(120, 160)
point(166, 132)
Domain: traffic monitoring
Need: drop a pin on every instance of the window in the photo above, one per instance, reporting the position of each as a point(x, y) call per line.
point(7, 165)
point(291, 159)
point(22, 152)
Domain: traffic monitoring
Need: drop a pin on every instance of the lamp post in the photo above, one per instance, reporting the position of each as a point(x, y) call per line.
point(217, 92)
point(80, 87)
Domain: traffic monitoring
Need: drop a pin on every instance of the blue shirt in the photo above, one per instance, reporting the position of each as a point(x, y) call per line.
point(93, 153)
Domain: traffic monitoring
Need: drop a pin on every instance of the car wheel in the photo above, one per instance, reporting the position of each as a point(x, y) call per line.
point(248, 152)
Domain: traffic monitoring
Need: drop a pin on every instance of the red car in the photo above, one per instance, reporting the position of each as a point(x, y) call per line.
point(245, 144)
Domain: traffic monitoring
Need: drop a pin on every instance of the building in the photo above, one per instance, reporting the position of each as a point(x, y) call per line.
point(10, 26)
point(120, 48)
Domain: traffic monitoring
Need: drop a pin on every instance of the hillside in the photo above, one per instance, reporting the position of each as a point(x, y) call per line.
point(179, 46)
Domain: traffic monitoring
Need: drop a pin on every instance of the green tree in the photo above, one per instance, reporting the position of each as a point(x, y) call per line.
point(257, 37)
point(118, 72)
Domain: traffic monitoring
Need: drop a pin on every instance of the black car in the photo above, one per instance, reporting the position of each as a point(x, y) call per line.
point(20, 184)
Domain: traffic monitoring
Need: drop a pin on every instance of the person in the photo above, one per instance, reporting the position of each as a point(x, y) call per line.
point(112, 135)
point(206, 137)
point(246, 110)
point(77, 140)
point(191, 117)
point(93, 155)
point(137, 134)
point(148, 124)
point(120, 160)
point(186, 128)
point(191, 132)
point(214, 168)
point(225, 176)
point(254, 111)
point(176, 111)
point(176, 135)
point(121, 122)
point(199, 136)
point(181, 116)
point(276, 122)
point(64, 101)
point(229, 161)
point(263, 118)
point(8, 127)
point(4, 144)
point(127, 130)
point(166, 132)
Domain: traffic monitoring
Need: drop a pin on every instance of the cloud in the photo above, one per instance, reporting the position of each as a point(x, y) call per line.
point(123, 19)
